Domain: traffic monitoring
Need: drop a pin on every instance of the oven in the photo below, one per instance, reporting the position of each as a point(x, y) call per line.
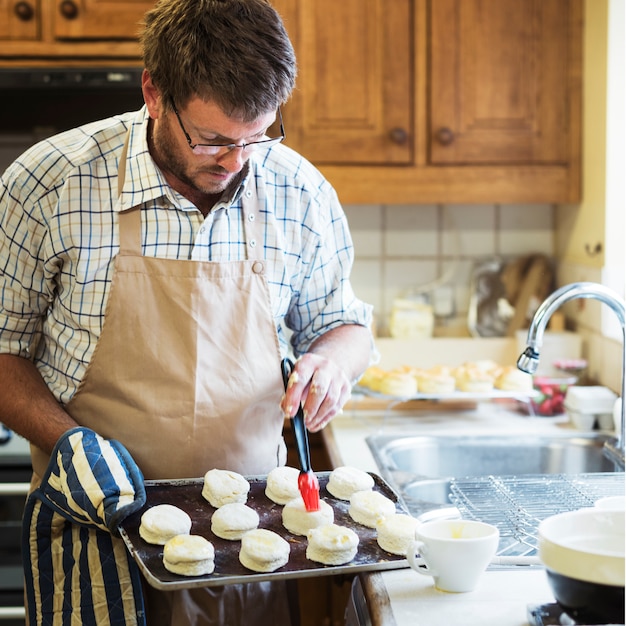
point(41, 101)
point(15, 474)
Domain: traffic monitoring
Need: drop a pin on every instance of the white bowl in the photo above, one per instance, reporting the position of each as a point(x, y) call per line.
point(611, 503)
point(583, 552)
point(586, 545)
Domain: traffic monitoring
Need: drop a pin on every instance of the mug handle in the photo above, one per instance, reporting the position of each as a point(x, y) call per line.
point(416, 557)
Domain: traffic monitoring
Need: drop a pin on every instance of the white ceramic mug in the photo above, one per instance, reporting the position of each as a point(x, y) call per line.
point(454, 552)
point(611, 503)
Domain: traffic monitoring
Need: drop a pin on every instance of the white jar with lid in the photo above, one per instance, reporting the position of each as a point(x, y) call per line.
point(591, 406)
point(411, 319)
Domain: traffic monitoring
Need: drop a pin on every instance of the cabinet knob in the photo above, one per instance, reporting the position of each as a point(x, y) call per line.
point(445, 136)
point(69, 9)
point(593, 250)
point(399, 136)
point(24, 11)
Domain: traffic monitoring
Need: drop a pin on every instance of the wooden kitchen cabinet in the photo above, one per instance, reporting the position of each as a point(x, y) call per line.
point(422, 101)
point(397, 101)
point(46, 32)
point(19, 20)
point(353, 99)
point(99, 19)
point(499, 82)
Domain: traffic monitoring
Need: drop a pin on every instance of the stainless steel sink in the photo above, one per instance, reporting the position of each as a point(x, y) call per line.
point(480, 456)
point(421, 468)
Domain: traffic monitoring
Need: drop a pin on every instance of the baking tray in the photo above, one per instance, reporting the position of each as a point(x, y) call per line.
point(187, 495)
point(495, 394)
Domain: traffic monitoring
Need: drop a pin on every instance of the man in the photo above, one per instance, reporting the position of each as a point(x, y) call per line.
point(152, 265)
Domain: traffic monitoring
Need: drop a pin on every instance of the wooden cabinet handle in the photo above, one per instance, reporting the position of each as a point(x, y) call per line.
point(593, 250)
point(24, 11)
point(399, 136)
point(69, 9)
point(445, 136)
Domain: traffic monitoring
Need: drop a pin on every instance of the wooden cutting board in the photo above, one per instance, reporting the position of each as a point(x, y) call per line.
point(535, 285)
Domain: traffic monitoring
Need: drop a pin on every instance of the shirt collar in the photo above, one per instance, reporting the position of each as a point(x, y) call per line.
point(232, 196)
point(144, 182)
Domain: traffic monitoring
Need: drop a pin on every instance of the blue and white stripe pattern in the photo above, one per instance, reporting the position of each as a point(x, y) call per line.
point(78, 570)
point(59, 235)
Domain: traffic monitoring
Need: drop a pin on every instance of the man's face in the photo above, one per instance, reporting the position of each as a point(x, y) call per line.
point(204, 123)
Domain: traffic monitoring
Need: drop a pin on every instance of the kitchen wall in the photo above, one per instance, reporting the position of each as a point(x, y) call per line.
point(400, 248)
point(603, 339)
point(604, 193)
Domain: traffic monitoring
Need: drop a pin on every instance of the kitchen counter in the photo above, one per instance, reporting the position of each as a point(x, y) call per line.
point(402, 597)
point(499, 600)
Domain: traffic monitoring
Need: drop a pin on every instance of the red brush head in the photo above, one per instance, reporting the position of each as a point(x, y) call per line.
point(310, 490)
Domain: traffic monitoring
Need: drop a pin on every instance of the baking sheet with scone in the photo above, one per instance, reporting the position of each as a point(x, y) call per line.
point(495, 394)
point(187, 495)
point(473, 380)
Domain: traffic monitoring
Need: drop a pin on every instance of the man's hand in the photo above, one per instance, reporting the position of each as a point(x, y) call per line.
point(321, 386)
point(322, 378)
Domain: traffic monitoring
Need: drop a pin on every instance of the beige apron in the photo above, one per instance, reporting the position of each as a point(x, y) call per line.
point(186, 374)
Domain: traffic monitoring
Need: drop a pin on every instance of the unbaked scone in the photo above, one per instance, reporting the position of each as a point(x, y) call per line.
point(189, 555)
point(473, 379)
point(441, 370)
point(263, 550)
point(398, 384)
point(372, 377)
point(511, 378)
point(435, 381)
point(396, 532)
point(232, 521)
point(344, 481)
point(297, 520)
point(162, 522)
point(486, 365)
point(224, 487)
point(282, 484)
point(368, 507)
point(332, 544)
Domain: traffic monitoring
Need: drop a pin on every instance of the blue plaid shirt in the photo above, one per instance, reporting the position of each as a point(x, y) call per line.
point(59, 236)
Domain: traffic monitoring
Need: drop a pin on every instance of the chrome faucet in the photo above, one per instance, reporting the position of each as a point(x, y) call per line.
point(529, 359)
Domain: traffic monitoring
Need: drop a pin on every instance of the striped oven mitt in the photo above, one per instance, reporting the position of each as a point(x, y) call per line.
point(77, 568)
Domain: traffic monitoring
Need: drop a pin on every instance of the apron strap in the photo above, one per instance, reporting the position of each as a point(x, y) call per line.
point(130, 230)
point(121, 167)
point(130, 219)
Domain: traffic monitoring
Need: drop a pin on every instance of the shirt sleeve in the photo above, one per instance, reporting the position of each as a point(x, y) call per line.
point(325, 299)
point(24, 290)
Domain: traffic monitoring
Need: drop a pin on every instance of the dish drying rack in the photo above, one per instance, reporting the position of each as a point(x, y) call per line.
point(517, 504)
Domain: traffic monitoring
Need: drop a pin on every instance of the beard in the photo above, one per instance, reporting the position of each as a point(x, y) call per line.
point(196, 179)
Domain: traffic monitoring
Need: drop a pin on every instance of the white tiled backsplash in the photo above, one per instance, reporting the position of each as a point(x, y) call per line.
point(399, 247)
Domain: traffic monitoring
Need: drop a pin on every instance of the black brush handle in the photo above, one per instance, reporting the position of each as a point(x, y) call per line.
point(297, 422)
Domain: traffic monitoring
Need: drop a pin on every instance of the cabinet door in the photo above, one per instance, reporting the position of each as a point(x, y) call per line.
point(20, 19)
point(99, 19)
point(499, 81)
point(352, 103)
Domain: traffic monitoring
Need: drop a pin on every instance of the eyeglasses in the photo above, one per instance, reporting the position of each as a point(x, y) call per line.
point(216, 148)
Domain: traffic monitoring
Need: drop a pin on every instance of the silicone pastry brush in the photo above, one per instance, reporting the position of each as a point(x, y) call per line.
point(307, 481)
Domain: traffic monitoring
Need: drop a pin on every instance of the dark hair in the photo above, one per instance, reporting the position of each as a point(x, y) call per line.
point(235, 53)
